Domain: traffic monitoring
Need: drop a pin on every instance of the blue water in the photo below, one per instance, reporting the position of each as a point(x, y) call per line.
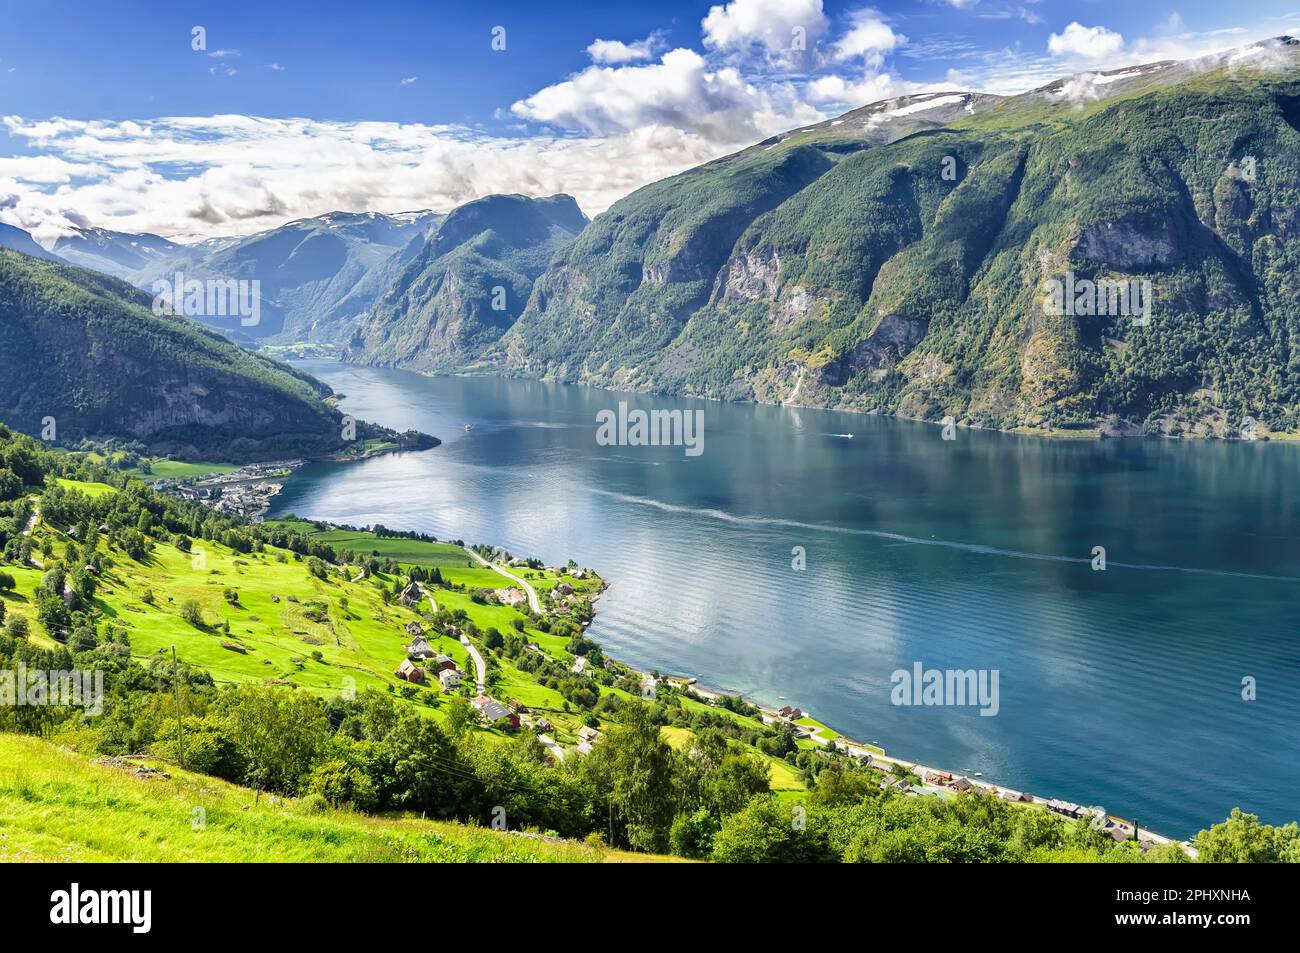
point(1120, 687)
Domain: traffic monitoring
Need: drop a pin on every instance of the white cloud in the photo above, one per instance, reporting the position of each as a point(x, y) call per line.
point(869, 37)
point(869, 89)
point(616, 51)
point(243, 174)
point(770, 24)
point(681, 90)
point(408, 80)
point(1085, 42)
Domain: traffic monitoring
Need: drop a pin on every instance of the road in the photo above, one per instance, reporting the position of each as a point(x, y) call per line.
point(533, 602)
point(31, 525)
point(34, 518)
point(480, 670)
point(433, 606)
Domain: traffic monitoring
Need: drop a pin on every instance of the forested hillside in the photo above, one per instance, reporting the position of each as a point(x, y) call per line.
point(468, 284)
point(838, 266)
point(84, 354)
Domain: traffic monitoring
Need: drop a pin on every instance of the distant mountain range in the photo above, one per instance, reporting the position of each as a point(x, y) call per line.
point(317, 275)
point(15, 239)
point(898, 259)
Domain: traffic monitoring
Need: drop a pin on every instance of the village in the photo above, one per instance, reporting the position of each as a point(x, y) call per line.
point(246, 492)
point(425, 665)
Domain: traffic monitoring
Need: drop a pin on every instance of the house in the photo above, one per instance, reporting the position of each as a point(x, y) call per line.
point(1065, 807)
point(962, 784)
point(445, 663)
point(938, 777)
point(580, 665)
point(495, 713)
point(419, 649)
point(543, 725)
point(790, 714)
point(517, 706)
point(449, 678)
point(414, 628)
point(510, 597)
point(410, 672)
point(410, 596)
point(564, 589)
point(1015, 797)
point(588, 734)
point(579, 574)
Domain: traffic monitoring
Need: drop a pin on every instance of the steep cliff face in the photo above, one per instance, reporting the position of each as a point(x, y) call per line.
point(901, 260)
point(468, 284)
point(85, 350)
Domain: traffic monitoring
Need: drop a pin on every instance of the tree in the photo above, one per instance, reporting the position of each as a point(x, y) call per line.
point(192, 613)
point(692, 834)
point(7, 582)
point(277, 732)
point(1242, 839)
point(736, 781)
point(767, 831)
point(632, 770)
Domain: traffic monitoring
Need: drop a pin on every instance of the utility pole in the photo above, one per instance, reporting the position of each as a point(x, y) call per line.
point(176, 699)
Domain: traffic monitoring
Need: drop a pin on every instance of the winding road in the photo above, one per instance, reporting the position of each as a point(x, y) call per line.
point(534, 603)
point(480, 670)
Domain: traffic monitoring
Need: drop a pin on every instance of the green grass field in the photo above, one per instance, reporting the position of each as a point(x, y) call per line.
point(163, 469)
point(326, 636)
point(56, 805)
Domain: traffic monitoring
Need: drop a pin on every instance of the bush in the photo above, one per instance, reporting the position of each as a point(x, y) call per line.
point(312, 804)
point(192, 613)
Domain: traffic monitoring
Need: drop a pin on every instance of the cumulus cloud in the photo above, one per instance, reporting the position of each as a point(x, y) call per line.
point(1085, 42)
point(770, 25)
point(869, 36)
point(616, 51)
point(681, 91)
point(243, 174)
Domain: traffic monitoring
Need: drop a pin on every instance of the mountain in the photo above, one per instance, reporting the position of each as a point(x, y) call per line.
point(120, 254)
point(16, 239)
point(316, 275)
point(900, 259)
point(86, 350)
point(467, 284)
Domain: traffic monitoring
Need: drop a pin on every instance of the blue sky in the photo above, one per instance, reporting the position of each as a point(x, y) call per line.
point(290, 109)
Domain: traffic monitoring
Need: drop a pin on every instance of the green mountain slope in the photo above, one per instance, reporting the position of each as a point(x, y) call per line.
point(897, 260)
point(468, 284)
point(87, 351)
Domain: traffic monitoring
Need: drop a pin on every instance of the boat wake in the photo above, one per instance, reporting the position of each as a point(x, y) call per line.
point(977, 548)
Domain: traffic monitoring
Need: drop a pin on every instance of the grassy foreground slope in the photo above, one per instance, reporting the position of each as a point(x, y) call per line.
point(57, 805)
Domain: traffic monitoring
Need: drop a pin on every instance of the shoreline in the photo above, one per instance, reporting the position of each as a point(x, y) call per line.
point(1097, 431)
point(876, 754)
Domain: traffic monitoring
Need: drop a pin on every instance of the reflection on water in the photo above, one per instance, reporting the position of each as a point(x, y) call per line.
point(1119, 688)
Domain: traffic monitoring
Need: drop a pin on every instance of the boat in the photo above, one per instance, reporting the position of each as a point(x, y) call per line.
point(469, 427)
